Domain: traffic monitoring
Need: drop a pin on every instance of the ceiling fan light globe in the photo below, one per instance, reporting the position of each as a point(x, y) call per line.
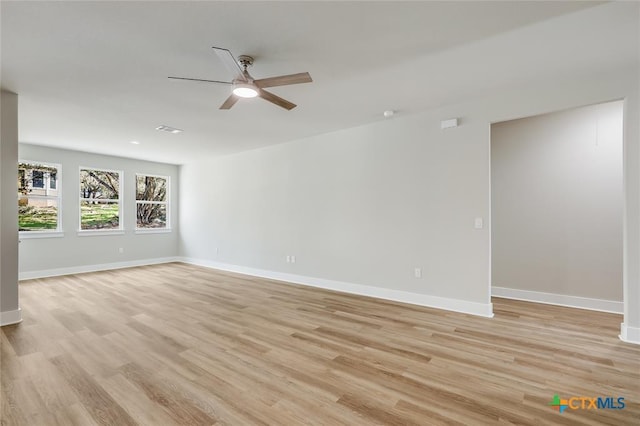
point(245, 91)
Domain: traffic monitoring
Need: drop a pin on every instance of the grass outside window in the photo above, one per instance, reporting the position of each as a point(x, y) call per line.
point(97, 215)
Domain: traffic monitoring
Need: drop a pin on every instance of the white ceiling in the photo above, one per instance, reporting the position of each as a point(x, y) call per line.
point(92, 76)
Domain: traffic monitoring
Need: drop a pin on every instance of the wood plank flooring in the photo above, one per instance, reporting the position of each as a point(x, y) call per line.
point(176, 344)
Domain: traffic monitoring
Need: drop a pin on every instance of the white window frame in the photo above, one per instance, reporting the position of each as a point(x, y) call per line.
point(120, 201)
point(46, 233)
point(167, 204)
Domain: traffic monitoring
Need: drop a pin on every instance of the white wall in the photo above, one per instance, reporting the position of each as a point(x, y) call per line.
point(369, 204)
point(364, 206)
point(9, 304)
point(71, 253)
point(557, 202)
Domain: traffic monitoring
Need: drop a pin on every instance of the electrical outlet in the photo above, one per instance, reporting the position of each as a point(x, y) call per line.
point(288, 259)
point(293, 259)
point(417, 272)
point(121, 250)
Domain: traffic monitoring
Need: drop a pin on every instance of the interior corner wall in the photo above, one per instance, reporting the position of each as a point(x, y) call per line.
point(557, 203)
point(9, 303)
point(74, 253)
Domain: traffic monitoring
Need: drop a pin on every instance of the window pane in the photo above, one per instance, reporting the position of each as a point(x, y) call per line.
point(37, 214)
point(33, 177)
point(38, 179)
point(99, 215)
point(38, 202)
point(152, 215)
point(99, 184)
point(53, 180)
point(151, 188)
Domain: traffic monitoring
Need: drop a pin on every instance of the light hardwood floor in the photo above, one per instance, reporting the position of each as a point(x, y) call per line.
point(176, 344)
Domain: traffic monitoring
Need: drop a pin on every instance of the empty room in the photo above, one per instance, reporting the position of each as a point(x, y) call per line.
point(325, 213)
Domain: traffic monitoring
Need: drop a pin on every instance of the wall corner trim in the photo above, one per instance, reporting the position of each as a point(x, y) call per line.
point(559, 299)
point(455, 305)
point(10, 317)
point(629, 334)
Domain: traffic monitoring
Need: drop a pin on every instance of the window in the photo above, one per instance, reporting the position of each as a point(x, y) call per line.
point(38, 202)
point(152, 202)
point(37, 179)
point(53, 180)
point(100, 205)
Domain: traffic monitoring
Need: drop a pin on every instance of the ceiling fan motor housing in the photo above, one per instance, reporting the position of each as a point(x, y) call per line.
point(245, 61)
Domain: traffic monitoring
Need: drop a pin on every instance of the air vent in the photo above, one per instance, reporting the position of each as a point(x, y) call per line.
point(168, 129)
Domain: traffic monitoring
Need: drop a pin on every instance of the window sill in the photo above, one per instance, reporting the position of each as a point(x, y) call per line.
point(153, 231)
point(28, 235)
point(98, 232)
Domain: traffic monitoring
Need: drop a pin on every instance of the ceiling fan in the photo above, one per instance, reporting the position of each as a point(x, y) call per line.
point(244, 86)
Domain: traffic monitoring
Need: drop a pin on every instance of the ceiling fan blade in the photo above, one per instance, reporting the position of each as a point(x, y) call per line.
point(230, 63)
point(231, 101)
point(199, 79)
point(268, 96)
point(284, 80)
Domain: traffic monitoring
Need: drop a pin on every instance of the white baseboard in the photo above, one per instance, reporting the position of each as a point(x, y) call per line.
point(92, 268)
point(559, 299)
point(10, 317)
point(456, 305)
point(630, 334)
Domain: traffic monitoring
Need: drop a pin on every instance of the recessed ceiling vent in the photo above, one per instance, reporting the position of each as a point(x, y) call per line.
point(168, 129)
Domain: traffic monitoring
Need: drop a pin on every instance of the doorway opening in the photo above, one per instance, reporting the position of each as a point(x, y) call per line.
point(557, 208)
